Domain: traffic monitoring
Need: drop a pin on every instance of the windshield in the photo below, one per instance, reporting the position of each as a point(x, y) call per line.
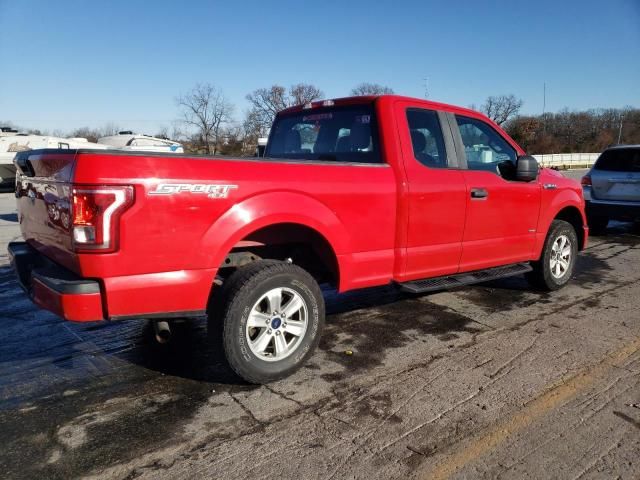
point(342, 134)
point(619, 160)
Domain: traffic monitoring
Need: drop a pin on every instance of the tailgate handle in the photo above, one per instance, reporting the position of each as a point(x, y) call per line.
point(479, 193)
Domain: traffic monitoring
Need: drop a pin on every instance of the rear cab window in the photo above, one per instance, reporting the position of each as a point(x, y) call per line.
point(426, 138)
point(619, 160)
point(340, 134)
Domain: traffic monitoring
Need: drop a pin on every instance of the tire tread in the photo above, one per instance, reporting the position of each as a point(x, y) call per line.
point(238, 284)
point(540, 276)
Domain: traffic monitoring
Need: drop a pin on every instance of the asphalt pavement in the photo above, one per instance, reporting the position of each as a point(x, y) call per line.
point(490, 381)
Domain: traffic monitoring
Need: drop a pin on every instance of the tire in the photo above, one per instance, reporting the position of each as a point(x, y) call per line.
point(597, 224)
point(548, 275)
point(254, 325)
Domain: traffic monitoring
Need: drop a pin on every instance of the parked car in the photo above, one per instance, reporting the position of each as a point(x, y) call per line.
point(11, 142)
point(352, 193)
point(612, 187)
point(127, 140)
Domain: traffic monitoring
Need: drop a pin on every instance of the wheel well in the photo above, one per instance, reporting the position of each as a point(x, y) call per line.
point(293, 242)
point(573, 216)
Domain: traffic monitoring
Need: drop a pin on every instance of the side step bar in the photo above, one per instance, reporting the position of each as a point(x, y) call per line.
point(467, 278)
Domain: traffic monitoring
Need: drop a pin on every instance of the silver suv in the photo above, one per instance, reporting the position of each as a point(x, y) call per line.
point(612, 187)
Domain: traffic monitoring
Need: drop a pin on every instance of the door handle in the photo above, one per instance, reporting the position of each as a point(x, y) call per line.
point(479, 193)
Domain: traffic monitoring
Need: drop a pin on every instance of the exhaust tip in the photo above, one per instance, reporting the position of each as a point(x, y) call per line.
point(162, 330)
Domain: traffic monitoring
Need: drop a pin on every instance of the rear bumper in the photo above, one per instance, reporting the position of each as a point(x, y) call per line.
point(156, 295)
point(613, 210)
point(55, 288)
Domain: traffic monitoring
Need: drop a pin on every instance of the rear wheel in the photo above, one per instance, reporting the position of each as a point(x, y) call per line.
point(558, 259)
point(272, 316)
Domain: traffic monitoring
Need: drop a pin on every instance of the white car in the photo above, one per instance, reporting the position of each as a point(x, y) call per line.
point(12, 142)
point(128, 140)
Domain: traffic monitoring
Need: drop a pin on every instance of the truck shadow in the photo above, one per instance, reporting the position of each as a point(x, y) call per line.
point(370, 322)
point(47, 351)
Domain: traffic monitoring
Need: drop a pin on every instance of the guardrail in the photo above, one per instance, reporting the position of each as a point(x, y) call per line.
point(567, 160)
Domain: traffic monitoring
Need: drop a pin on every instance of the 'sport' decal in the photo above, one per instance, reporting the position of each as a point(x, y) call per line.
point(211, 191)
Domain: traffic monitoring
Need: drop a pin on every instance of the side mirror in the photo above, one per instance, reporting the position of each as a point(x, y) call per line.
point(526, 168)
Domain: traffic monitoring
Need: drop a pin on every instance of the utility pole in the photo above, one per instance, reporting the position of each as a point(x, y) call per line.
point(426, 87)
point(620, 129)
point(544, 107)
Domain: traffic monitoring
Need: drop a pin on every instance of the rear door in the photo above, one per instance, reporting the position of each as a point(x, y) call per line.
point(616, 175)
point(502, 214)
point(436, 194)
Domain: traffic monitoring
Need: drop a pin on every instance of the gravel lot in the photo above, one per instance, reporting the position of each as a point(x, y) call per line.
point(490, 381)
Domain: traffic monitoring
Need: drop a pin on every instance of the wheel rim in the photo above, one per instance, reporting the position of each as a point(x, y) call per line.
point(277, 324)
point(560, 260)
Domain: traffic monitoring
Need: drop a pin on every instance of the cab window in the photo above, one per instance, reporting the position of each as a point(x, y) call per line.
point(426, 138)
point(342, 134)
point(485, 149)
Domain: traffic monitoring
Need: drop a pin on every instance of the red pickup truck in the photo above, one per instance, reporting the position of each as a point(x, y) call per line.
point(352, 193)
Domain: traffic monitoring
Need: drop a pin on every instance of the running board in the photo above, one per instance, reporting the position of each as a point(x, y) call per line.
point(467, 278)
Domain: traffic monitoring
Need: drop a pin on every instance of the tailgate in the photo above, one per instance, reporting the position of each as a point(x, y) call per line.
point(616, 175)
point(43, 202)
point(616, 186)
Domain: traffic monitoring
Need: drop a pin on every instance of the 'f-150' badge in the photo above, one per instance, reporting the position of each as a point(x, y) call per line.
point(212, 191)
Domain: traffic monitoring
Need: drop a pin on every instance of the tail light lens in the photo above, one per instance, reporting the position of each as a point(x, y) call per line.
point(96, 213)
point(586, 180)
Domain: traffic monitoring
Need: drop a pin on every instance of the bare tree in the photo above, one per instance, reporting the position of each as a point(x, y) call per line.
point(502, 108)
point(206, 109)
point(110, 129)
point(571, 131)
point(91, 134)
point(253, 127)
point(162, 132)
point(303, 93)
point(177, 132)
point(267, 102)
point(366, 88)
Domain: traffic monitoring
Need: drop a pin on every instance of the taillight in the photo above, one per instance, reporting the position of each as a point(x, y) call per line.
point(586, 180)
point(95, 216)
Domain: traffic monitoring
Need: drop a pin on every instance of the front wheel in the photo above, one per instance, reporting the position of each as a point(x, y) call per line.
point(272, 317)
point(558, 259)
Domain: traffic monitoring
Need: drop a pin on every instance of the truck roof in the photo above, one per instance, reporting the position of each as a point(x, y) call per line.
point(364, 99)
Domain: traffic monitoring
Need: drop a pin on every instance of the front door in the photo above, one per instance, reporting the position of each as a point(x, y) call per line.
point(502, 213)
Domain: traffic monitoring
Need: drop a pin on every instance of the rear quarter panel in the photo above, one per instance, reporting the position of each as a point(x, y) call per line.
point(353, 206)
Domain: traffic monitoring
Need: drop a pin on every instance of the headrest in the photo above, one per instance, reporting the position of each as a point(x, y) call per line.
point(292, 142)
point(418, 140)
point(360, 136)
point(343, 144)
